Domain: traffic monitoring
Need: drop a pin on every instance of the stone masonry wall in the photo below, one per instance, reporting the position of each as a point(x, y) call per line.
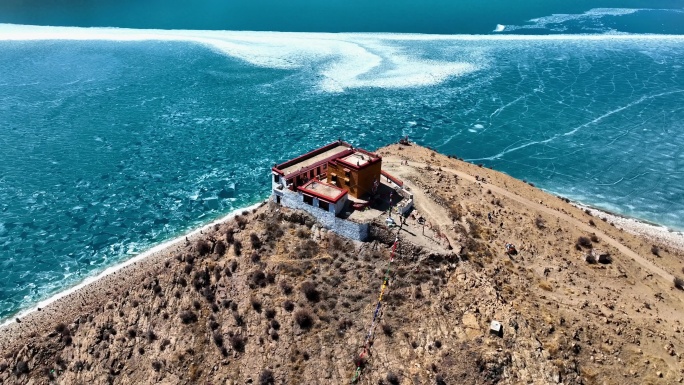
point(345, 228)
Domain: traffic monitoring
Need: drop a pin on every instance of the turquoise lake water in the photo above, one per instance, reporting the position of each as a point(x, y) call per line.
point(112, 146)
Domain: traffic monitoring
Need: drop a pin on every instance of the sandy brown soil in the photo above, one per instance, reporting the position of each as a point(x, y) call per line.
point(292, 303)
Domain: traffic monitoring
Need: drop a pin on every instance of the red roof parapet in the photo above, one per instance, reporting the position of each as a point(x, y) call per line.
point(309, 187)
point(394, 180)
point(279, 167)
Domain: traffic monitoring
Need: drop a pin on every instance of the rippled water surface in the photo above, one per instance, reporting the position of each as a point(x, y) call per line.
point(109, 147)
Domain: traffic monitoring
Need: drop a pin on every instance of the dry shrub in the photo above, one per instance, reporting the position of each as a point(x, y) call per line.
point(590, 258)
point(303, 233)
point(475, 230)
point(237, 247)
point(306, 249)
point(655, 250)
point(387, 330)
point(273, 229)
point(288, 305)
point(241, 221)
point(336, 243)
point(270, 313)
point(584, 242)
point(285, 287)
point(230, 235)
point(213, 325)
point(540, 223)
point(310, 291)
point(257, 278)
point(266, 377)
point(238, 342)
point(203, 247)
point(256, 304)
point(218, 339)
point(62, 329)
point(254, 239)
point(594, 238)
point(392, 378)
point(220, 247)
point(455, 212)
point(188, 317)
point(679, 283)
point(151, 335)
point(201, 279)
point(304, 319)
point(605, 259)
point(239, 321)
point(21, 368)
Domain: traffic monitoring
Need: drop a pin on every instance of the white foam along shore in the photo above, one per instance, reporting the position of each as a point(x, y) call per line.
point(342, 60)
point(113, 269)
point(634, 226)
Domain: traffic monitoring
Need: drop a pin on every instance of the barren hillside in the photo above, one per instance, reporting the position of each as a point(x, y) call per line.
point(271, 298)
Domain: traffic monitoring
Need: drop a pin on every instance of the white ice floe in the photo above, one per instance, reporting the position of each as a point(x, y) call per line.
point(342, 61)
point(555, 21)
point(339, 61)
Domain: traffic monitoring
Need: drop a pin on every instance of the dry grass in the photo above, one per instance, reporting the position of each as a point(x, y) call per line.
point(546, 285)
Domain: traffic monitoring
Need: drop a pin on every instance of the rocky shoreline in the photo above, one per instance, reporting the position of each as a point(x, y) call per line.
point(662, 234)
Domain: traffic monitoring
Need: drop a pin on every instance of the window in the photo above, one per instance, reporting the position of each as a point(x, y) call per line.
point(311, 174)
point(308, 199)
point(333, 178)
point(276, 178)
point(324, 205)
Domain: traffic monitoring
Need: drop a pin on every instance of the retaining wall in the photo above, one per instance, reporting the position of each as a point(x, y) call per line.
point(343, 227)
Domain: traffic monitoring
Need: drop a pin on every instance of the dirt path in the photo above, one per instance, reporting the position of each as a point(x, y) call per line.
point(648, 265)
point(438, 216)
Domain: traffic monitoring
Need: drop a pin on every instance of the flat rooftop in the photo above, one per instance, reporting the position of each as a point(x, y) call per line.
point(308, 161)
point(358, 158)
point(323, 190)
point(377, 209)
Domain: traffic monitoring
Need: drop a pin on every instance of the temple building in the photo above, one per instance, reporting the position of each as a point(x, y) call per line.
point(338, 181)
